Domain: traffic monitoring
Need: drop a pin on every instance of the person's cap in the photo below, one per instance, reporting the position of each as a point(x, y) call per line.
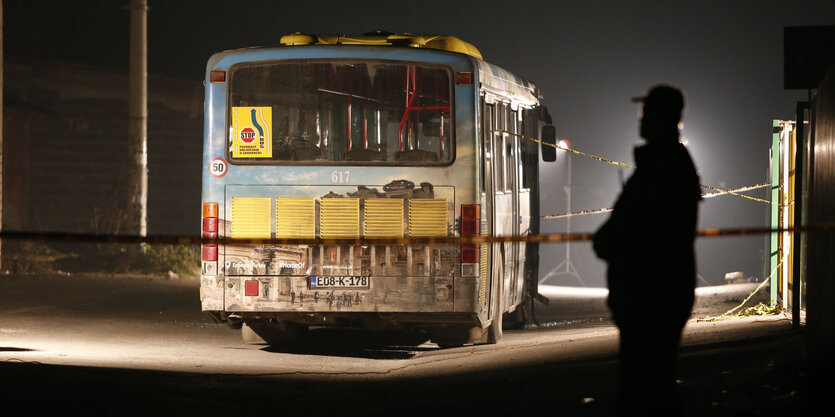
point(662, 96)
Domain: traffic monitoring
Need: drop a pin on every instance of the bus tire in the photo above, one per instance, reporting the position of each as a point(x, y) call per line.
point(457, 336)
point(494, 330)
point(515, 319)
point(271, 332)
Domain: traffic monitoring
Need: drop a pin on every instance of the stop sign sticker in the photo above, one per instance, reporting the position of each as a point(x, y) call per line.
point(218, 167)
point(248, 135)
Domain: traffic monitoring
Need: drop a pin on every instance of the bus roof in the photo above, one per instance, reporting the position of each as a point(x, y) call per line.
point(495, 81)
point(505, 85)
point(440, 42)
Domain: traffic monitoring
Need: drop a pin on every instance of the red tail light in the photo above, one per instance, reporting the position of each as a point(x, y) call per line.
point(470, 226)
point(470, 217)
point(469, 253)
point(210, 228)
point(209, 252)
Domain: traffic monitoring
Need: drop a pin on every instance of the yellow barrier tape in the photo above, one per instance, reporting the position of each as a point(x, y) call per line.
point(751, 310)
point(606, 210)
point(737, 190)
point(577, 213)
point(721, 191)
point(445, 240)
point(609, 161)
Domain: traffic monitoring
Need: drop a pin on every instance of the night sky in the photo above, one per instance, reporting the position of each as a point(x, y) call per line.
point(587, 57)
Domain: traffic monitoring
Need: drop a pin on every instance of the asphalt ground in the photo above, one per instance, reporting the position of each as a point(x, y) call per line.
point(755, 366)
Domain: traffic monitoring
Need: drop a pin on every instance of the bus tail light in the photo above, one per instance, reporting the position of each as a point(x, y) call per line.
point(470, 225)
point(209, 252)
point(210, 210)
point(469, 253)
point(216, 76)
point(210, 227)
point(209, 231)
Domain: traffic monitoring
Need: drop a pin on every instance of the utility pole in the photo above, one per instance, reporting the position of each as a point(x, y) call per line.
point(137, 212)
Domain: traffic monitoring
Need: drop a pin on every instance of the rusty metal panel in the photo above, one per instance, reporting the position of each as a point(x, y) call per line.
point(482, 273)
point(821, 210)
point(286, 293)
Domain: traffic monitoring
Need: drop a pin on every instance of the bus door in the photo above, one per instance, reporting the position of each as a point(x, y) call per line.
point(504, 209)
point(489, 201)
point(521, 206)
point(511, 159)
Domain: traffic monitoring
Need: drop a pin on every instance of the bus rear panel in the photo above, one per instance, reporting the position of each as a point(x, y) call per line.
point(347, 142)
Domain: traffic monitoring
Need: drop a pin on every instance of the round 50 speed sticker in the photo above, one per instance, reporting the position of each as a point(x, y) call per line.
point(218, 167)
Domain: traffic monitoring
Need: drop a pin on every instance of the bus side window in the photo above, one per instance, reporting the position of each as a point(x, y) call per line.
point(530, 157)
point(487, 134)
point(510, 151)
point(498, 147)
point(519, 147)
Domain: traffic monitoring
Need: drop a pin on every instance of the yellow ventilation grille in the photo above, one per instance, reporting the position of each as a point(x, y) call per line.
point(428, 217)
point(251, 218)
point(383, 217)
point(482, 292)
point(339, 218)
point(295, 218)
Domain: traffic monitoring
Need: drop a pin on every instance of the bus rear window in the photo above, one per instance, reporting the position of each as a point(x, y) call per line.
point(315, 112)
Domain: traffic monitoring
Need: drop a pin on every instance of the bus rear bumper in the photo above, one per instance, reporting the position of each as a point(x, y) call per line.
point(294, 294)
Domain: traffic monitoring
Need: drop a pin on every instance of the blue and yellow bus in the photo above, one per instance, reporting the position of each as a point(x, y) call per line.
point(379, 136)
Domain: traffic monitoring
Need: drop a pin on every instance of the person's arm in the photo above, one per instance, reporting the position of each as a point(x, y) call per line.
point(617, 234)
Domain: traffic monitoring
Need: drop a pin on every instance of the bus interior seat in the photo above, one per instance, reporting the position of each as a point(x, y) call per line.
point(416, 155)
point(305, 154)
point(304, 150)
point(282, 154)
point(364, 155)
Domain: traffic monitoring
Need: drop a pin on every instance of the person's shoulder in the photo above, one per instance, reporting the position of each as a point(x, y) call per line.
point(674, 152)
point(684, 155)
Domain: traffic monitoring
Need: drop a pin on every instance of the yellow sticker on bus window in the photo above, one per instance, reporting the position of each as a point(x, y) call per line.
point(252, 132)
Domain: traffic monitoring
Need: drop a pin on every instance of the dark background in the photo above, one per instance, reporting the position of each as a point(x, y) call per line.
point(587, 57)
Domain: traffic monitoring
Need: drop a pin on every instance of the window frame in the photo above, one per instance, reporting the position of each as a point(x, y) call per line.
point(325, 163)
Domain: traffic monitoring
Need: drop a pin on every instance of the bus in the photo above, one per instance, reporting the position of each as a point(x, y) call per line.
point(377, 136)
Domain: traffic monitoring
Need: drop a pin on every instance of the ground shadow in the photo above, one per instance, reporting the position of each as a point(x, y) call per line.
point(357, 343)
point(15, 349)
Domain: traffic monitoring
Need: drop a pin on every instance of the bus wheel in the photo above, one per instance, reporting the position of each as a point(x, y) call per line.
point(494, 331)
point(271, 332)
point(516, 319)
point(456, 336)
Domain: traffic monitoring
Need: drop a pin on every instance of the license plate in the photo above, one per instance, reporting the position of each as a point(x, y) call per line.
point(345, 281)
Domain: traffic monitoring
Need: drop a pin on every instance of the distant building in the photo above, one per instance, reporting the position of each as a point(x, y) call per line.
point(65, 146)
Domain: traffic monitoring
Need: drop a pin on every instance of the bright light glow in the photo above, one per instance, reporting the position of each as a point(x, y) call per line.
point(557, 291)
point(564, 143)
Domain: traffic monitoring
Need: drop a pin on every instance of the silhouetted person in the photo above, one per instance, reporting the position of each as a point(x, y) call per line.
point(648, 244)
